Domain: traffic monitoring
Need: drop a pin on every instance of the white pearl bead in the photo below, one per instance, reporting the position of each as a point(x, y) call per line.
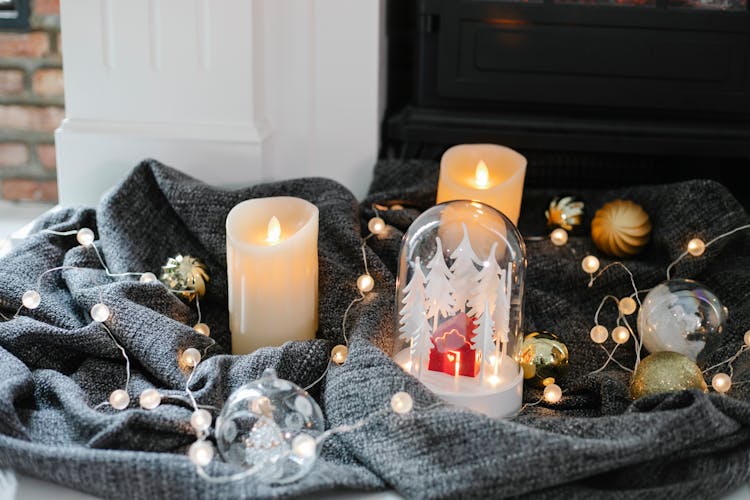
point(590, 264)
point(552, 393)
point(599, 334)
point(200, 420)
point(559, 237)
point(304, 446)
point(721, 382)
point(85, 236)
point(203, 329)
point(620, 334)
point(402, 403)
point(376, 225)
point(365, 283)
point(339, 354)
point(119, 399)
point(201, 453)
point(31, 299)
point(150, 399)
point(696, 247)
point(191, 356)
point(147, 278)
point(626, 306)
point(100, 313)
point(747, 338)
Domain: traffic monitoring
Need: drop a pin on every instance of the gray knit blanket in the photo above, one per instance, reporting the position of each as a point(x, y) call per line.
point(56, 365)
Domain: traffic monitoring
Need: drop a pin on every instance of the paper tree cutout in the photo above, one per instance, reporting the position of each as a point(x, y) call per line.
point(415, 329)
point(485, 337)
point(439, 290)
point(464, 271)
point(489, 286)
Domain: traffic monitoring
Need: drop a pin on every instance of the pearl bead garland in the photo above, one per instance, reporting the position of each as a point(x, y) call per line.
point(590, 264)
point(721, 382)
point(559, 237)
point(119, 399)
point(402, 403)
point(696, 247)
point(147, 278)
point(85, 236)
point(149, 399)
point(599, 334)
point(627, 306)
point(100, 313)
point(201, 420)
point(191, 357)
point(203, 329)
point(339, 354)
point(552, 393)
point(365, 283)
point(620, 334)
point(304, 446)
point(201, 453)
point(31, 299)
point(376, 225)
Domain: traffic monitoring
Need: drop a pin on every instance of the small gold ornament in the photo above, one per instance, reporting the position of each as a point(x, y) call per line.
point(544, 358)
point(620, 228)
point(185, 274)
point(666, 372)
point(565, 212)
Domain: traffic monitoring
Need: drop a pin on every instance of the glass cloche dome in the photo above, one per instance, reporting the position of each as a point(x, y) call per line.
point(459, 302)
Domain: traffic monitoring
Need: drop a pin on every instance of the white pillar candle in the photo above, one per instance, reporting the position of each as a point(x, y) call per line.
point(272, 271)
point(488, 173)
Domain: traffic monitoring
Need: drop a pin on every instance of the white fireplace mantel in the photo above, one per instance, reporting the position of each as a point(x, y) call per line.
point(233, 92)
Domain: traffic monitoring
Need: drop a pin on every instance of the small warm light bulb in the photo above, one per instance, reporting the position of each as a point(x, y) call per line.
point(85, 236)
point(493, 380)
point(559, 237)
point(599, 334)
point(119, 399)
point(376, 225)
point(402, 403)
point(201, 453)
point(365, 283)
point(100, 313)
point(191, 356)
point(696, 247)
point(31, 299)
point(552, 393)
point(200, 420)
point(304, 446)
point(149, 399)
point(274, 230)
point(747, 338)
point(339, 354)
point(626, 306)
point(721, 383)
point(407, 366)
point(620, 334)
point(147, 278)
point(203, 329)
point(482, 175)
point(590, 264)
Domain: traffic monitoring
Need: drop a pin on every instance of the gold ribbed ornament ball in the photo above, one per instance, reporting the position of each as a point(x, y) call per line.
point(620, 228)
point(666, 372)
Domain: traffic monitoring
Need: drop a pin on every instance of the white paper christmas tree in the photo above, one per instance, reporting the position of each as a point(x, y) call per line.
point(489, 286)
point(464, 271)
point(415, 329)
point(484, 337)
point(439, 292)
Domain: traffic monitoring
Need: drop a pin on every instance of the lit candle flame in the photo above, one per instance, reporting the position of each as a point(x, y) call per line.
point(482, 175)
point(274, 230)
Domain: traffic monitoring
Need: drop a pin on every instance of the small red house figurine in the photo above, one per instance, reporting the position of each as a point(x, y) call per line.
point(452, 350)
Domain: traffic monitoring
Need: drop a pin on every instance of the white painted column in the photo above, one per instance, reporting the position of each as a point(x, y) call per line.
point(232, 92)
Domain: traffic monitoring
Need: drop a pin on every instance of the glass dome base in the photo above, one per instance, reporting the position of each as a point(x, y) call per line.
point(499, 397)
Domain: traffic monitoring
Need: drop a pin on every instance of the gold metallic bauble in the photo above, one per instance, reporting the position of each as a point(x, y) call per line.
point(620, 228)
point(665, 372)
point(186, 275)
point(544, 358)
point(565, 212)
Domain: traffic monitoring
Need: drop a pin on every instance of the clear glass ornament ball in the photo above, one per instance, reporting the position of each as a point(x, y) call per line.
point(681, 315)
point(260, 424)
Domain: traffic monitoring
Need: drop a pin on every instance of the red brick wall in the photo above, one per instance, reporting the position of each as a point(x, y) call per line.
point(31, 105)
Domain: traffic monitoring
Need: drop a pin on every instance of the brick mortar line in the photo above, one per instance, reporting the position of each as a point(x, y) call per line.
point(28, 98)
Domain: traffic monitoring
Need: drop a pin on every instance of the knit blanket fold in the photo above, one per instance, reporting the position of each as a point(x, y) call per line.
point(56, 365)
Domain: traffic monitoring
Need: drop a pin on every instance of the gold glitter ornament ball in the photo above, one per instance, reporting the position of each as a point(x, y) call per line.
point(185, 274)
point(666, 372)
point(620, 228)
point(544, 358)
